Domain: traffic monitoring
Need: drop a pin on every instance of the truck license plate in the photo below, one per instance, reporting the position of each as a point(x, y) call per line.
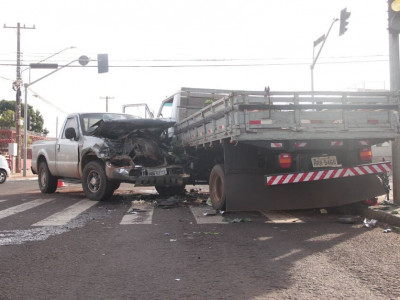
point(324, 161)
point(157, 172)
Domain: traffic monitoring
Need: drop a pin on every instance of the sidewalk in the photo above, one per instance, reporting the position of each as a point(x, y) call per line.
point(386, 211)
point(19, 176)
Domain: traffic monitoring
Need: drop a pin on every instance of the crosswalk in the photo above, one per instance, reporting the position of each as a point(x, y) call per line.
point(67, 214)
point(22, 207)
point(141, 213)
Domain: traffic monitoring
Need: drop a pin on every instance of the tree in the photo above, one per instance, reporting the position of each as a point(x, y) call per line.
point(35, 118)
point(7, 118)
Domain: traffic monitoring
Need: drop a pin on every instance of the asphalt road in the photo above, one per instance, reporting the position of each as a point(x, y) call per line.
point(63, 246)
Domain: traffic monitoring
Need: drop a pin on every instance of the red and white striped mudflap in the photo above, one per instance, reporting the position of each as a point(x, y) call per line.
point(375, 168)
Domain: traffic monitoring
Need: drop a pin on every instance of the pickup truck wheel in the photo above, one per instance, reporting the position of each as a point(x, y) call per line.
point(47, 182)
point(3, 176)
point(170, 190)
point(95, 183)
point(217, 187)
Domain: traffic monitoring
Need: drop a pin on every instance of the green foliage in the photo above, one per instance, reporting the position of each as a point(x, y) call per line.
point(7, 118)
point(35, 118)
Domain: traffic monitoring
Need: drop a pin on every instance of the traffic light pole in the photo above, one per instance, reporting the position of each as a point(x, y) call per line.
point(394, 64)
point(319, 52)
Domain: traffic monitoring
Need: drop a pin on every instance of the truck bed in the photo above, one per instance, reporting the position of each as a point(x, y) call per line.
point(270, 116)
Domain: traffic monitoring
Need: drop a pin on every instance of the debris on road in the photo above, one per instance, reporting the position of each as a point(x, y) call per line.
point(370, 223)
point(211, 233)
point(168, 203)
point(237, 220)
point(387, 230)
point(134, 211)
point(208, 214)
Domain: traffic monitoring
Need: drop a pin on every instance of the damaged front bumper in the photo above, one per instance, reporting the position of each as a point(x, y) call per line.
point(173, 175)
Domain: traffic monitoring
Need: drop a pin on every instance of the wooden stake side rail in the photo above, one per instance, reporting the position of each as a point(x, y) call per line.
point(248, 115)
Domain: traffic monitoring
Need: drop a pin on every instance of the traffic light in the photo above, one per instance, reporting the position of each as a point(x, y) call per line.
point(344, 16)
point(394, 16)
point(102, 63)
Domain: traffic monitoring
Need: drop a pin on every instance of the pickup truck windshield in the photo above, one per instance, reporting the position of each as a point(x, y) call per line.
point(89, 120)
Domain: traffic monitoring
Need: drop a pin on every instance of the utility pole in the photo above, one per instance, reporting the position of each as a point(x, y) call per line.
point(17, 87)
point(106, 97)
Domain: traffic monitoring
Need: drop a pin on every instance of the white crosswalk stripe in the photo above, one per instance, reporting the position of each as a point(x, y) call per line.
point(280, 217)
point(22, 207)
point(67, 214)
point(206, 215)
point(139, 213)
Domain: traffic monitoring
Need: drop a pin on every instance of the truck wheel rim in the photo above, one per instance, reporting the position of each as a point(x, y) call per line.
point(43, 177)
point(93, 181)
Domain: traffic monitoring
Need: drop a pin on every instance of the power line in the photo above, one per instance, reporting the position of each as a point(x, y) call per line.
point(68, 58)
point(218, 65)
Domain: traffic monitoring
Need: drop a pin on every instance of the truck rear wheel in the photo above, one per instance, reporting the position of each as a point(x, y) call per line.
point(217, 187)
point(95, 183)
point(47, 182)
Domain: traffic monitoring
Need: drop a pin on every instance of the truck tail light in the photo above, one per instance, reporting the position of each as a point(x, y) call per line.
point(366, 154)
point(285, 160)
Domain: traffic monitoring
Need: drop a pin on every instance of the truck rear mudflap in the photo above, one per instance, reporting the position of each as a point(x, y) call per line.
point(316, 189)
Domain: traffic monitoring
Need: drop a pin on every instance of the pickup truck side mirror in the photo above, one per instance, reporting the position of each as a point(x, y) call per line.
point(70, 133)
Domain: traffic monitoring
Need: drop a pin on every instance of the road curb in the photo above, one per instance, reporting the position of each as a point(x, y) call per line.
point(21, 178)
point(383, 216)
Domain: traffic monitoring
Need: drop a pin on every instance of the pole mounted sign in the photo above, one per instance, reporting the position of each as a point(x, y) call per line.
point(102, 63)
point(43, 66)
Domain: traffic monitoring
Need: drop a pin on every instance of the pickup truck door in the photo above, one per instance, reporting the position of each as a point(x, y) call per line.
point(67, 154)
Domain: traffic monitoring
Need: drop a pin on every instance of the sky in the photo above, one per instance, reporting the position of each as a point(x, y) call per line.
point(155, 47)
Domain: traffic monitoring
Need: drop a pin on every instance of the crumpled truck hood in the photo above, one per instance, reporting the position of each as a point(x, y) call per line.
point(116, 129)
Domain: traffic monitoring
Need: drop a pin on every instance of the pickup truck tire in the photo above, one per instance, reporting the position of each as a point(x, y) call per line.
point(170, 190)
point(217, 187)
point(47, 182)
point(95, 183)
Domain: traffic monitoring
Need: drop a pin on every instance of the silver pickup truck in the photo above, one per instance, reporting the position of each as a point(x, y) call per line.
point(103, 150)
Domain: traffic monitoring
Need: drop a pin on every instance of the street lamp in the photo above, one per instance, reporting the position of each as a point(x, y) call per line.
point(25, 109)
point(322, 39)
point(83, 60)
point(344, 16)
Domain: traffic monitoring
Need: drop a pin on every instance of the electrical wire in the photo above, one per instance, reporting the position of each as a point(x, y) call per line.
point(217, 65)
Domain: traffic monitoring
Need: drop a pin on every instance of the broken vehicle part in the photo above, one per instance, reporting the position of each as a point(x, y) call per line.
point(370, 223)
